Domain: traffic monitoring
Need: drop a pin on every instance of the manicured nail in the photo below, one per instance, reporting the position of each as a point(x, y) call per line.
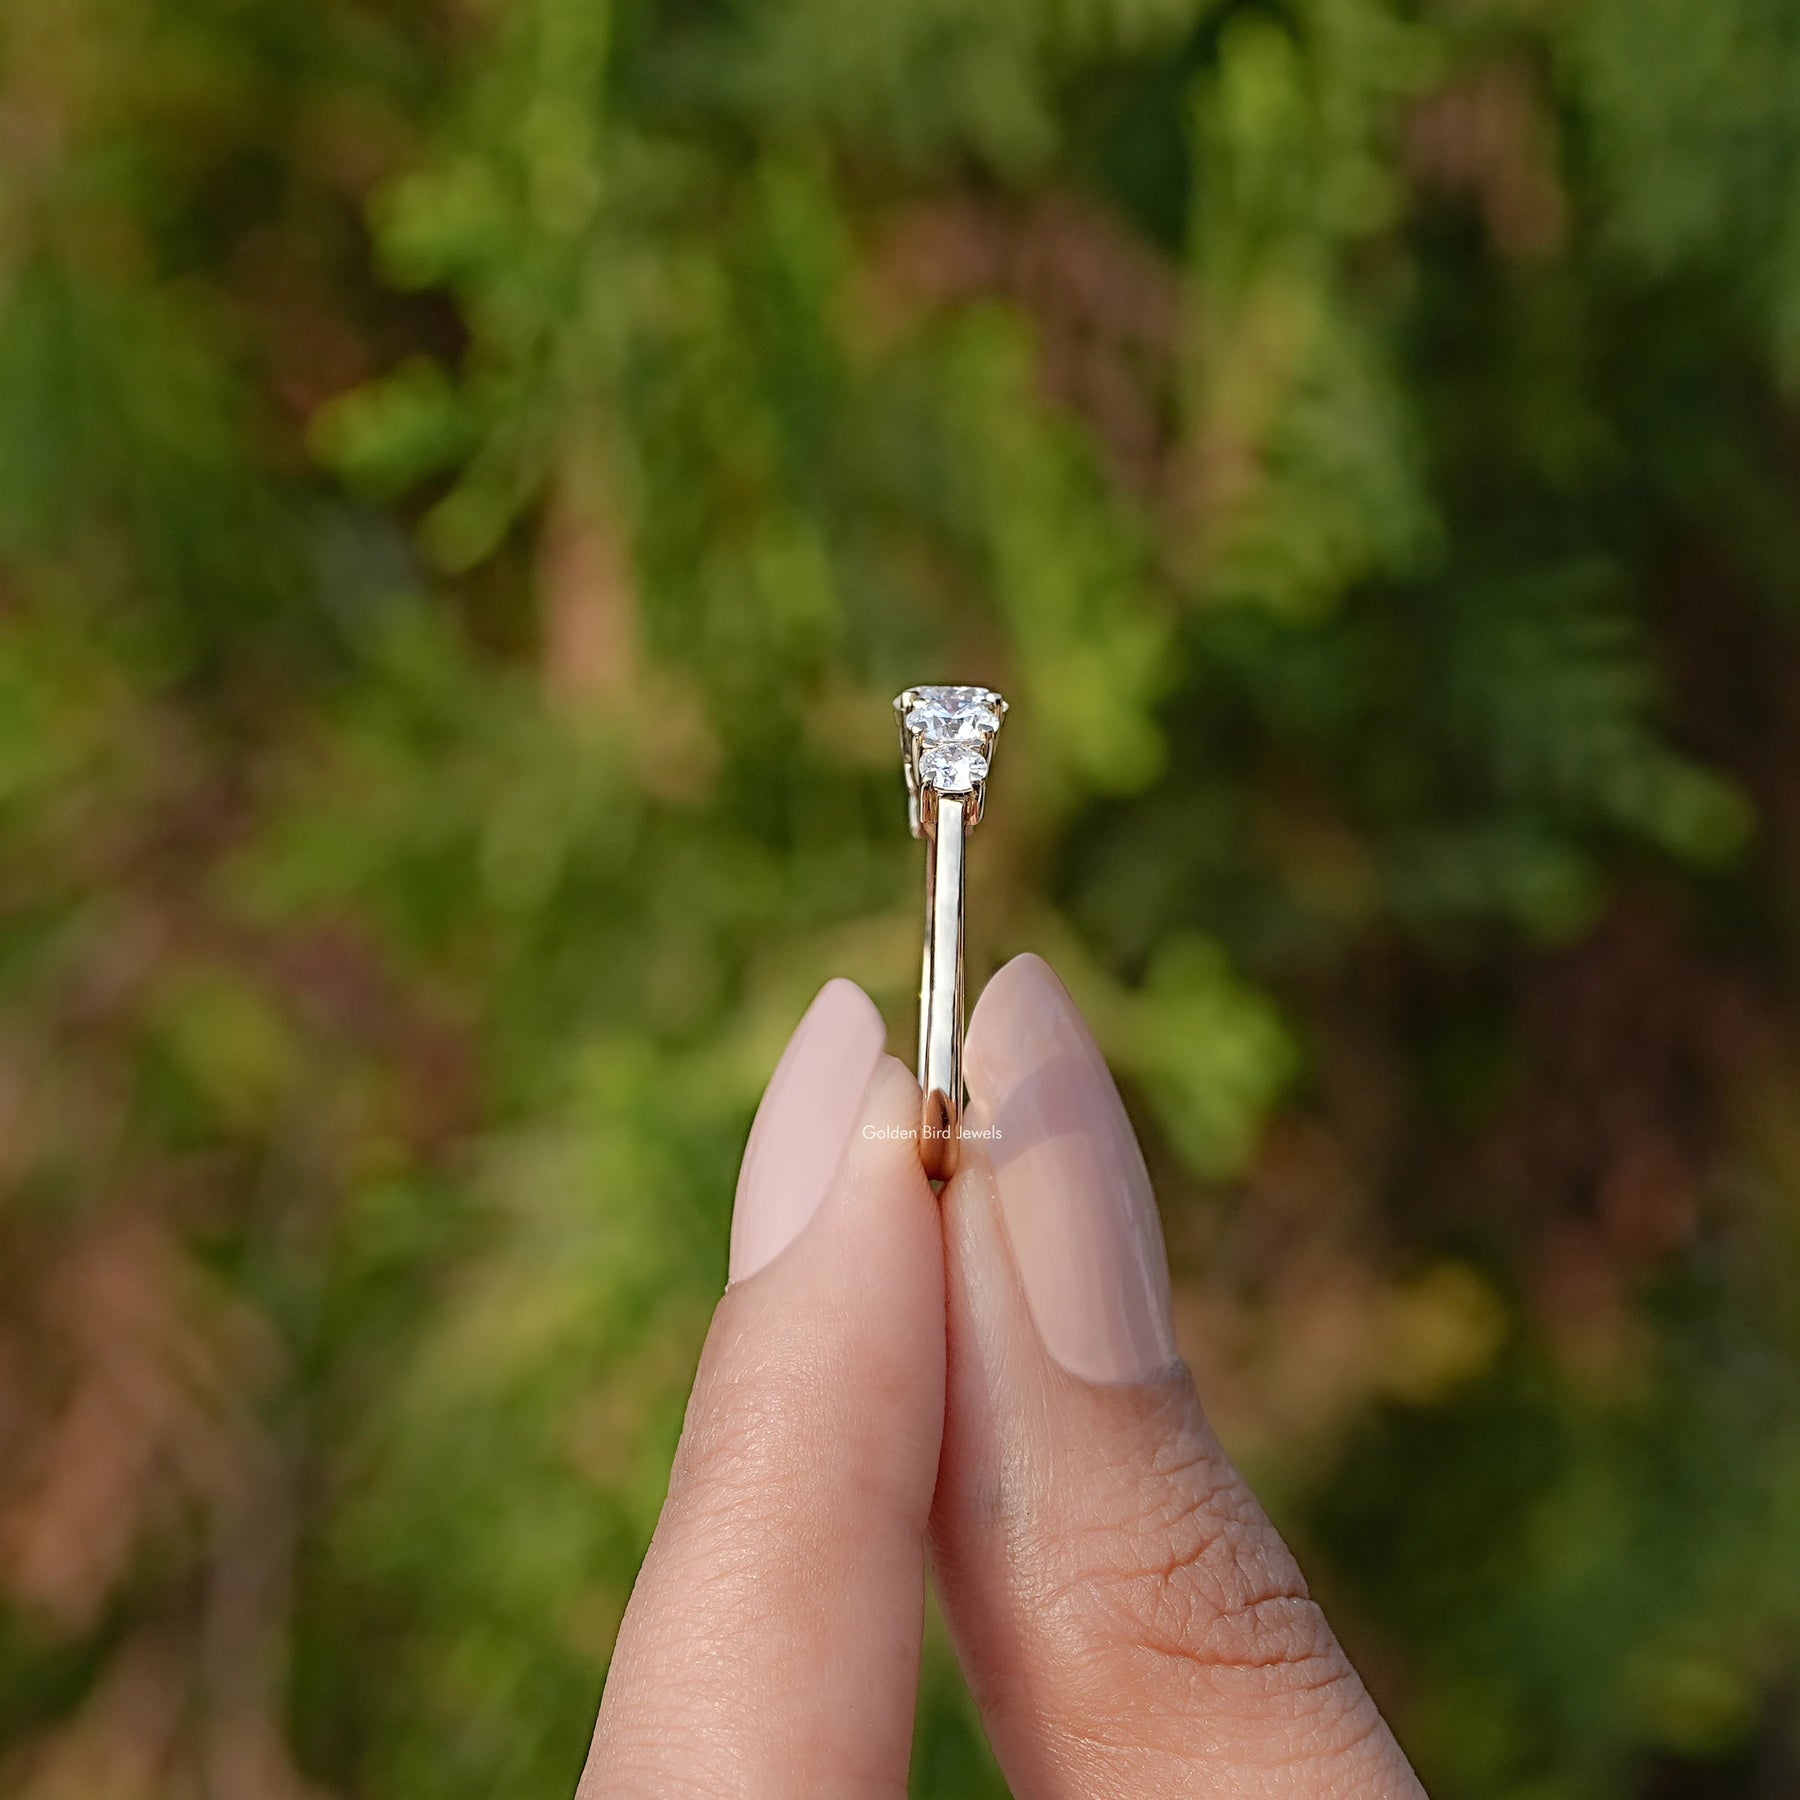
point(803, 1126)
point(1072, 1184)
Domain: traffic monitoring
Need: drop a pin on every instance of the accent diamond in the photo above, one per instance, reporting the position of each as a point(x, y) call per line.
point(953, 768)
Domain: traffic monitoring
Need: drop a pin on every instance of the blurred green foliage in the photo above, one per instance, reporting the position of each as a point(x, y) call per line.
point(471, 477)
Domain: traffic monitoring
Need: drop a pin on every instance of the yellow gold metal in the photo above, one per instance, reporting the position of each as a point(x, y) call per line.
point(941, 988)
point(947, 735)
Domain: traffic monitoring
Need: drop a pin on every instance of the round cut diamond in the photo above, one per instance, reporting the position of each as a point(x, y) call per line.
point(960, 715)
point(953, 768)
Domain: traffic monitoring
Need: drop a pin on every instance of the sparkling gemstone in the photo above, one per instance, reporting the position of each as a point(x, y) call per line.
point(953, 715)
point(948, 734)
point(953, 768)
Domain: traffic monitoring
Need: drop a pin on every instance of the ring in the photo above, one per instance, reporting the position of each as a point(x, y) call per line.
point(947, 742)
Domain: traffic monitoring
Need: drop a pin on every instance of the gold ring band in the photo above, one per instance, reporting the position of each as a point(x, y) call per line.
point(947, 739)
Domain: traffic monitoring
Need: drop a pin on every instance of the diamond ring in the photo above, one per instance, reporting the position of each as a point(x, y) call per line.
point(947, 740)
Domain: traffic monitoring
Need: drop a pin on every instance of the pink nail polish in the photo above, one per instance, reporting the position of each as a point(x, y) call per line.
point(1072, 1184)
point(804, 1123)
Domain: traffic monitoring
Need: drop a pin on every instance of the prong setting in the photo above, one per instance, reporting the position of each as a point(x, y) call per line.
point(947, 738)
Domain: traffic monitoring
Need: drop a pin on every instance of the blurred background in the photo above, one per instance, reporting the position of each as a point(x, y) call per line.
point(473, 474)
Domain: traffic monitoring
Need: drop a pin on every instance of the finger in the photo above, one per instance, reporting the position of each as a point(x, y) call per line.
point(771, 1644)
point(1129, 1619)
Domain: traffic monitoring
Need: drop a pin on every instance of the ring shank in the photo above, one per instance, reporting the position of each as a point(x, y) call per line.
point(941, 985)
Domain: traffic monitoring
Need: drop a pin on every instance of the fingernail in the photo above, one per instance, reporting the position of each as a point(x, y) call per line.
point(1073, 1189)
point(808, 1110)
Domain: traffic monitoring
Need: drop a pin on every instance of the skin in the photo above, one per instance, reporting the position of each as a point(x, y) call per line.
point(879, 1398)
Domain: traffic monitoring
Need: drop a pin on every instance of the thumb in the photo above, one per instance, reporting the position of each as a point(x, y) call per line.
point(1128, 1617)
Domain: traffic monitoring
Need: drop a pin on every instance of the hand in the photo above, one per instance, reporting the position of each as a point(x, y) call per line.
point(990, 1381)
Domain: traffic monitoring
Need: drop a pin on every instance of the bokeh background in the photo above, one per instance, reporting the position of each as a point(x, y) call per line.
point(473, 474)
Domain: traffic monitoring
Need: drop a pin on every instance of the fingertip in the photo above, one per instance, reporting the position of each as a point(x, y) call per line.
point(806, 1117)
point(842, 998)
point(1019, 1002)
point(881, 1161)
point(860, 1286)
point(1010, 986)
point(881, 1173)
point(891, 1101)
point(1072, 1186)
